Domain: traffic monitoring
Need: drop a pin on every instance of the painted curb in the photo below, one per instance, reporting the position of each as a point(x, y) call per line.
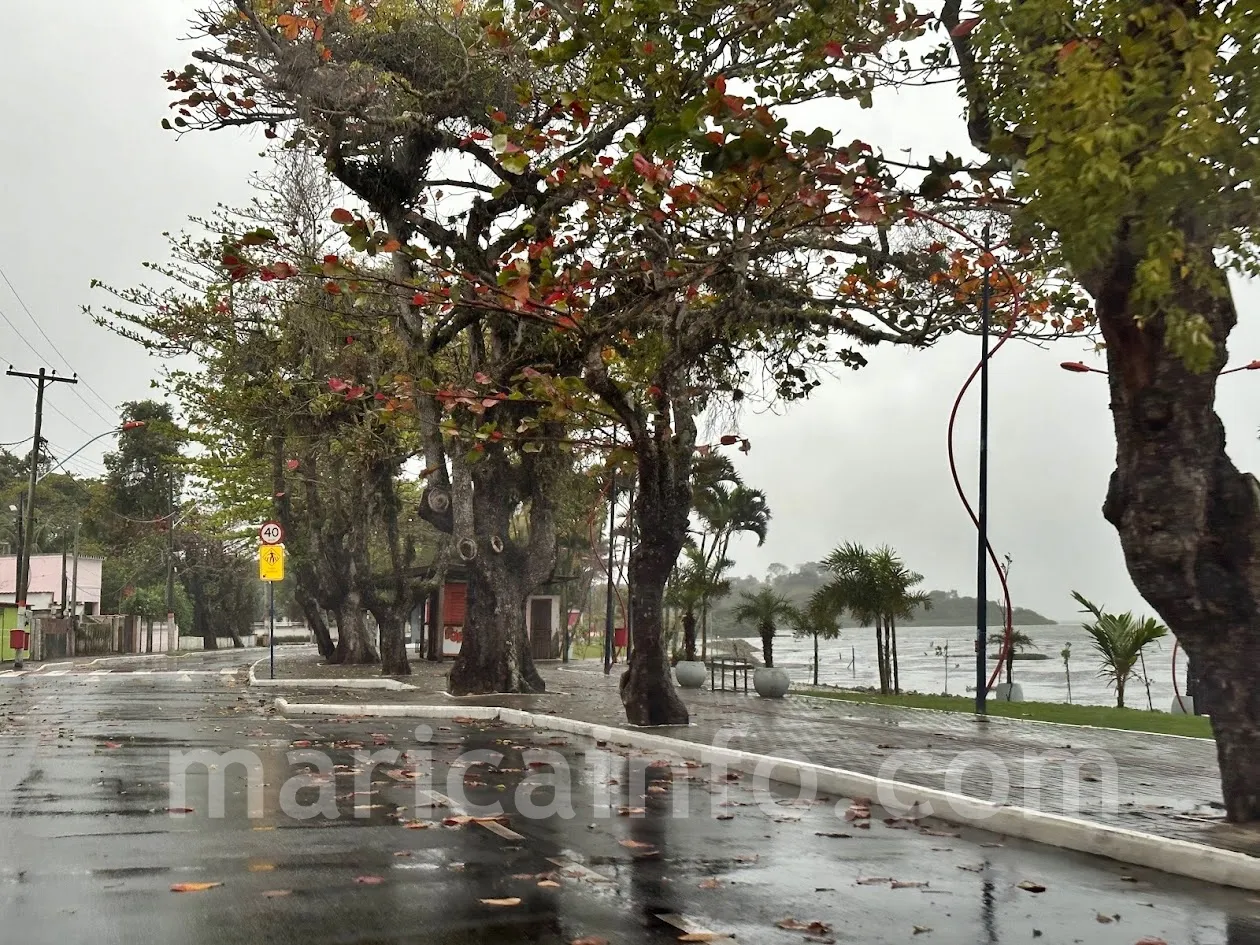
point(1178, 857)
point(378, 683)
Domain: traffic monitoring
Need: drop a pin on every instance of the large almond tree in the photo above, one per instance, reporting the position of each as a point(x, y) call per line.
point(1131, 131)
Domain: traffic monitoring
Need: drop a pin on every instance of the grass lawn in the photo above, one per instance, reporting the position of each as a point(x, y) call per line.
point(1137, 720)
point(588, 651)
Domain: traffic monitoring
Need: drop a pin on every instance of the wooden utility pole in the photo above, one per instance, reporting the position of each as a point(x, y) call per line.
point(74, 592)
point(42, 380)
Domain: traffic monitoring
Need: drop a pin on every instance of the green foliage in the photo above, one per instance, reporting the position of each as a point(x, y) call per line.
point(1020, 641)
point(1132, 129)
point(764, 611)
point(1118, 639)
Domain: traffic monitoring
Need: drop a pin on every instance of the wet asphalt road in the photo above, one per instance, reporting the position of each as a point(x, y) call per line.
point(89, 850)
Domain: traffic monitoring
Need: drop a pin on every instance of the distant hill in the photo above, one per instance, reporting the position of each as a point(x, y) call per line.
point(948, 608)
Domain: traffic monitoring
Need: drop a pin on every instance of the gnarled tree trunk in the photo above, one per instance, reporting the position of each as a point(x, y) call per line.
point(503, 571)
point(662, 508)
point(354, 641)
point(1188, 520)
point(496, 656)
point(314, 619)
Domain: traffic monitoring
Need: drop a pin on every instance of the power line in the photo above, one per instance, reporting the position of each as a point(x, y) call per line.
point(53, 345)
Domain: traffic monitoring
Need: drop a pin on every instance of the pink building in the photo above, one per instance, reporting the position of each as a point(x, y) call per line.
point(44, 588)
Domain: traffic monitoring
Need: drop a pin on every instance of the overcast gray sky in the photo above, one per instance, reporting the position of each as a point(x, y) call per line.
point(91, 182)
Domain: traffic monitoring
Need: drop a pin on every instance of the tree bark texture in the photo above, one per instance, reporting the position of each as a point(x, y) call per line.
point(1188, 519)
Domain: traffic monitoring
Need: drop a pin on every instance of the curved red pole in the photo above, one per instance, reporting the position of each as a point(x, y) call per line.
point(953, 417)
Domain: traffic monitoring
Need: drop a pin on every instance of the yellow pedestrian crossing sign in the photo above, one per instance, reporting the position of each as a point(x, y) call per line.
point(271, 562)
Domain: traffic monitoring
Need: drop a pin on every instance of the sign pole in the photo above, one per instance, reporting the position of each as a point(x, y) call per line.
point(271, 634)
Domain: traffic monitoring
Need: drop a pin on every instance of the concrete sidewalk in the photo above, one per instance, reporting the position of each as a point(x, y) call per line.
point(1167, 786)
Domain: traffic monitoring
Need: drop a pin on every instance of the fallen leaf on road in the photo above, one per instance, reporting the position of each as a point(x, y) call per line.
point(710, 884)
point(701, 937)
point(193, 887)
point(978, 868)
point(510, 901)
point(796, 925)
point(1105, 919)
point(180, 810)
point(368, 880)
point(417, 825)
point(403, 853)
point(636, 844)
point(261, 867)
point(907, 884)
point(919, 929)
point(1151, 941)
point(277, 893)
point(589, 940)
point(302, 744)
point(857, 813)
point(748, 858)
point(548, 884)
point(835, 836)
point(725, 817)
point(113, 745)
point(1029, 886)
point(874, 880)
point(630, 811)
point(929, 832)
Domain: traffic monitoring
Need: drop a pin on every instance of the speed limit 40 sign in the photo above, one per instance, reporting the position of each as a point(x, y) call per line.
point(271, 533)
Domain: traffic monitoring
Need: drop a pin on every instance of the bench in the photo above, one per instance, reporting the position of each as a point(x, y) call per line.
point(718, 667)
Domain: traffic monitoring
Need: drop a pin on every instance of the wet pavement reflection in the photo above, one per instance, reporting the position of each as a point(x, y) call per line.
point(593, 842)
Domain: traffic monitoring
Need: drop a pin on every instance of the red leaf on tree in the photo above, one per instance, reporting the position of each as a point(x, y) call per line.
point(481, 378)
point(419, 299)
point(499, 115)
point(337, 385)
point(649, 48)
point(833, 50)
point(354, 393)
point(342, 216)
point(332, 288)
point(729, 440)
point(330, 5)
point(358, 14)
point(645, 167)
point(965, 27)
point(292, 464)
point(719, 85)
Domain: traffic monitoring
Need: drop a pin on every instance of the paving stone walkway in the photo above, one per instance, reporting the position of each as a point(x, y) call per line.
point(1165, 785)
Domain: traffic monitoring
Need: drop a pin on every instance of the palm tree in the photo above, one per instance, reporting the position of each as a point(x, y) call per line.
point(1020, 641)
point(895, 581)
point(819, 618)
point(725, 507)
point(690, 586)
point(876, 587)
point(1119, 639)
point(764, 610)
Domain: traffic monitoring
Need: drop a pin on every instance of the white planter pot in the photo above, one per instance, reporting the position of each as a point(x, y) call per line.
point(771, 683)
point(1008, 692)
point(1184, 707)
point(690, 673)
